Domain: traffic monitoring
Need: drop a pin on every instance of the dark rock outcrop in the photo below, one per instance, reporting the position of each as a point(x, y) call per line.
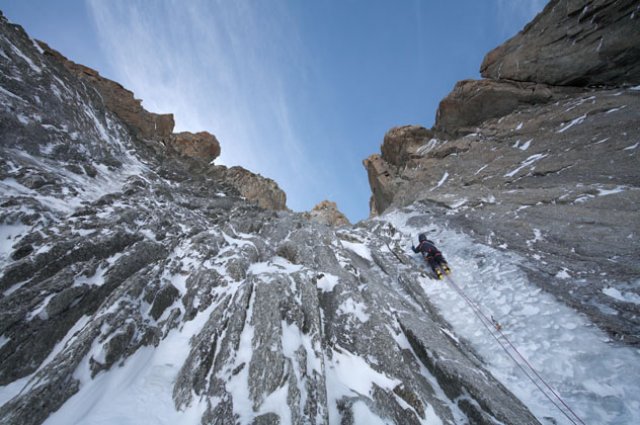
point(573, 43)
point(382, 181)
point(473, 102)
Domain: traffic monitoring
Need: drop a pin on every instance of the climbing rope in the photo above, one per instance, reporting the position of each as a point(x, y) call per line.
point(490, 324)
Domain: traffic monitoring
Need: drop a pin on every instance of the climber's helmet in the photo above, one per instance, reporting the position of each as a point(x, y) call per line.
point(422, 237)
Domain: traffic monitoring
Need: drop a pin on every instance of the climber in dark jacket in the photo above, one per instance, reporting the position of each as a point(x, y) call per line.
point(432, 255)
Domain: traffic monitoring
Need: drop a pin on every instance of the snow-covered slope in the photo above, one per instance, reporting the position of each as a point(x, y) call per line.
point(596, 377)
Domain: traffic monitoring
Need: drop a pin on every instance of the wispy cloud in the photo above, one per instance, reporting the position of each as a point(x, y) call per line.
point(229, 67)
point(513, 15)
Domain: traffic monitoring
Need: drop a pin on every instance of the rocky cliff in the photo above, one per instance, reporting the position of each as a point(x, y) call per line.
point(124, 251)
point(140, 283)
point(541, 157)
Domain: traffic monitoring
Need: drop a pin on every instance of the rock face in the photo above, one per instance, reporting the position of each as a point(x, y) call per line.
point(118, 100)
point(140, 283)
point(573, 43)
point(255, 188)
point(327, 213)
point(549, 172)
point(200, 145)
point(400, 144)
point(474, 102)
point(125, 258)
point(145, 125)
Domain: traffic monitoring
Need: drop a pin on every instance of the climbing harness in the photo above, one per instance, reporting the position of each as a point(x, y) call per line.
point(523, 364)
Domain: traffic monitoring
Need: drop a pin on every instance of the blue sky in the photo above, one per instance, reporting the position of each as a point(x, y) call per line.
point(298, 91)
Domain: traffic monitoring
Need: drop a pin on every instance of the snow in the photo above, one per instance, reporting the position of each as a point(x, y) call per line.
point(442, 180)
point(274, 265)
point(627, 297)
point(458, 203)
point(8, 392)
point(605, 192)
point(327, 282)
point(537, 236)
point(527, 162)
point(576, 121)
point(276, 403)
point(11, 95)
point(481, 168)
point(525, 145)
point(40, 311)
point(429, 146)
point(10, 234)
point(357, 309)
point(102, 131)
point(140, 391)
point(363, 415)
point(37, 46)
point(349, 375)
point(238, 384)
point(358, 248)
point(634, 146)
point(563, 274)
point(292, 340)
point(615, 109)
point(519, 126)
point(562, 345)
point(29, 62)
point(97, 279)
point(431, 416)
point(450, 334)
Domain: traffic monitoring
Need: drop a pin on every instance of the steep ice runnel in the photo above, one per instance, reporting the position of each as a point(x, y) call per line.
point(597, 378)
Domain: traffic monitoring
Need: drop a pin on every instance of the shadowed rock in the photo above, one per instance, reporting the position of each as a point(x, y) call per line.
point(573, 43)
point(472, 102)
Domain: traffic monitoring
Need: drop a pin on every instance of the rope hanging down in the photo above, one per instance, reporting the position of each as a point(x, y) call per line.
point(494, 327)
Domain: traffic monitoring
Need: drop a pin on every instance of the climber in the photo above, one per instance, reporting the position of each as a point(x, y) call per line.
point(432, 255)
